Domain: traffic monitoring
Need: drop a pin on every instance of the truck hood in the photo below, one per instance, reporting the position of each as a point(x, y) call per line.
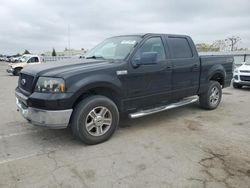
point(66, 68)
point(244, 67)
point(14, 65)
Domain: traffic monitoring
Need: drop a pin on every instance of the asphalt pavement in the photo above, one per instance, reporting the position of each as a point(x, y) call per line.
point(184, 147)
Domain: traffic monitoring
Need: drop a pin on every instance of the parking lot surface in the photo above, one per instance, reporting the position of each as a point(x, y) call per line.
point(183, 147)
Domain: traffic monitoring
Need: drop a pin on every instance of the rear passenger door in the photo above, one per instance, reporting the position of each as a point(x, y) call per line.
point(185, 67)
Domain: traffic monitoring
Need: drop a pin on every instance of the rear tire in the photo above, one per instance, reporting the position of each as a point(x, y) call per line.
point(212, 97)
point(237, 86)
point(94, 119)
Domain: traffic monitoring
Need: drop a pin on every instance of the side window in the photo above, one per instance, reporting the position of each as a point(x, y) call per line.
point(33, 60)
point(36, 60)
point(180, 48)
point(30, 60)
point(152, 45)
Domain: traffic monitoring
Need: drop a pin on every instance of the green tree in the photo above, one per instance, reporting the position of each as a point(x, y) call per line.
point(221, 44)
point(54, 52)
point(203, 47)
point(26, 52)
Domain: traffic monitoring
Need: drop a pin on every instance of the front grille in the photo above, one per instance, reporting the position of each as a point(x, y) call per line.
point(245, 78)
point(245, 71)
point(26, 82)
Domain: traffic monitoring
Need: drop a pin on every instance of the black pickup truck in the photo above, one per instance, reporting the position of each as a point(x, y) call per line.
point(135, 75)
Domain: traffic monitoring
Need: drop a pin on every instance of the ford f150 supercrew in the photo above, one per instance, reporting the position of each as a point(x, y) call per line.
point(136, 75)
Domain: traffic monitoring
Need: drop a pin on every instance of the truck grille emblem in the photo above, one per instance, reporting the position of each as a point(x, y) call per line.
point(23, 81)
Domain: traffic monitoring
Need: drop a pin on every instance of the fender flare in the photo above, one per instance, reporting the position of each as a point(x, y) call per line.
point(216, 69)
point(104, 81)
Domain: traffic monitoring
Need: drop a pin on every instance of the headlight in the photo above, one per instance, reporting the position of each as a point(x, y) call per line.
point(236, 71)
point(51, 85)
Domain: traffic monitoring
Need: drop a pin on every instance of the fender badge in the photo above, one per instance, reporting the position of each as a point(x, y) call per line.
point(121, 72)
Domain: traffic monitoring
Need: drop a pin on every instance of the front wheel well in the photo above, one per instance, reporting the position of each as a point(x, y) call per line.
point(17, 71)
point(219, 78)
point(107, 92)
point(18, 68)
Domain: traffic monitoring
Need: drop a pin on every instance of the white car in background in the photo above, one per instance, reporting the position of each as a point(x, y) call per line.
point(15, 68)
point(16, 59)
point(242, 75)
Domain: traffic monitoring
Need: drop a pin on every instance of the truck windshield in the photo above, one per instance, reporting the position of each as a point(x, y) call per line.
point(115, 48)
point(24, 59)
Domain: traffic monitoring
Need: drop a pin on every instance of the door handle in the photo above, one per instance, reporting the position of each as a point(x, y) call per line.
point(169, 67)
point(195, 67)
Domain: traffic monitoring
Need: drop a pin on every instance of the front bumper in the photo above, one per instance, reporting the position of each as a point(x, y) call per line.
point(244, 83)
point(9, 70)
point(237, 79)
point(55, 119)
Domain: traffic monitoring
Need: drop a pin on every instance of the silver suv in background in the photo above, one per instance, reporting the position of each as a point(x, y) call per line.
point(242, 75)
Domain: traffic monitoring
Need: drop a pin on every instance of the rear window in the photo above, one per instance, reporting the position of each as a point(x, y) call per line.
point(180, 48)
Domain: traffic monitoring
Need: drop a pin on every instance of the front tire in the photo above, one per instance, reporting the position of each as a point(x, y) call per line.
point(212, 97)
point(94, 119)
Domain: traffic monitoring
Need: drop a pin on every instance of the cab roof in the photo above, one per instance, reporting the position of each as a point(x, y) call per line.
point(149, 34)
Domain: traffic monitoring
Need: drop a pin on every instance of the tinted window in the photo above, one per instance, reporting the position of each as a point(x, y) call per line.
point(180, 48)
point(36, 59)
point(152, 45)
point(33, 60)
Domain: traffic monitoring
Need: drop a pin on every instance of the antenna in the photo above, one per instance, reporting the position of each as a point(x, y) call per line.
point(69, 38)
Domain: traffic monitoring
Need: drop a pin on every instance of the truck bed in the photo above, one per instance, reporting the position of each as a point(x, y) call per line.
point(223, 64)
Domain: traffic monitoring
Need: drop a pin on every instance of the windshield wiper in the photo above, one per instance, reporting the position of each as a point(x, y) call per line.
point(95, 57)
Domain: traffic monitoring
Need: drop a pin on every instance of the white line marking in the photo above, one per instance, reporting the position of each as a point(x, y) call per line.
point(18, 134)
point(18, 158)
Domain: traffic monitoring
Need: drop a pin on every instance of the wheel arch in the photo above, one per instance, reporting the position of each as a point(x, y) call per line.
point(217, 73)
point(108, 90)
point(219, 77)
point(18, 68)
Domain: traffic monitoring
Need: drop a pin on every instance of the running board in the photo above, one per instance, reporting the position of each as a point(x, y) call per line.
point(182, 102)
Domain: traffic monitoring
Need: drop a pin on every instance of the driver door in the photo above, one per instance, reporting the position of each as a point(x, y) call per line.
point(149, 85)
